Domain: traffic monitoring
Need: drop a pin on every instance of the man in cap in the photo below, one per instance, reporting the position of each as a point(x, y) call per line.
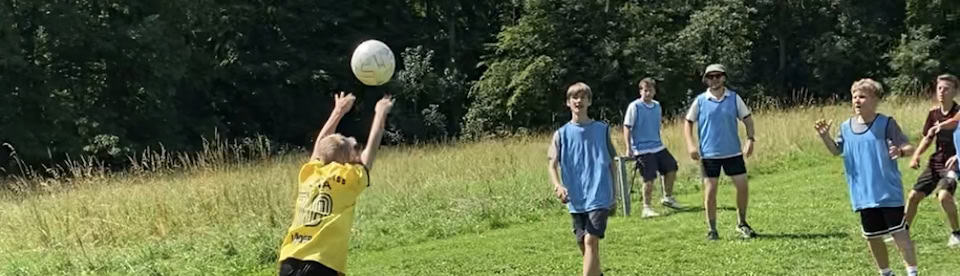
point(716, 112)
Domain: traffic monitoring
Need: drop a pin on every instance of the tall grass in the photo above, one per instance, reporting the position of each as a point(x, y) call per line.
point(207, 203)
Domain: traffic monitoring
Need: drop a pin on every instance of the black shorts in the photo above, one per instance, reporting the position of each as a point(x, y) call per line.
point(880, 221)
point(648, 164)
point(731, 166)
point(930, 179)
point(592, 222)
point(294, 267)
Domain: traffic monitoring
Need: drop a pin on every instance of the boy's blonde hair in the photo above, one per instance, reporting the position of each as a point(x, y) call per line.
point(579, 89)
point(335, 148)
point(950, 78)
point(649, 82)
point(867, 85)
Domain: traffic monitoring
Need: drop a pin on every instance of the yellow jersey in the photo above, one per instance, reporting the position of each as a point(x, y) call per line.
point(323, 215)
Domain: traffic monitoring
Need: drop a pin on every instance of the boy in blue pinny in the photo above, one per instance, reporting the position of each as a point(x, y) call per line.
point(870, 143)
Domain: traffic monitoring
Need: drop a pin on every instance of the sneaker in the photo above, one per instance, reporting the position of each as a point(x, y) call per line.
point(712, 235)
point(648, 212)
point(746, 232)
point(954, 240)
point(670, 202)
point(887, 274)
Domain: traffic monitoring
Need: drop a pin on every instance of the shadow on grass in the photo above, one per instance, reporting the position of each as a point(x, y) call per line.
point(697, 209)
point(803, 236)
point(675, 211)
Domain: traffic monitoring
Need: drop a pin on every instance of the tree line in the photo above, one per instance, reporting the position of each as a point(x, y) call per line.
point(110, 78)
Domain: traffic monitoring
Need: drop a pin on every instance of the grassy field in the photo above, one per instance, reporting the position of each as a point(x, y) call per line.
point(463, 209)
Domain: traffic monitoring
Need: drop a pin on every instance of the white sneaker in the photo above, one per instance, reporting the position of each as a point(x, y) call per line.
point(648, 212)
point(954, 240)
point(670, 202)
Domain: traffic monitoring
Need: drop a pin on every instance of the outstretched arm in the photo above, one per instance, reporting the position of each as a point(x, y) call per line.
point(376, 131)
point(949, 124)
point(342, 104)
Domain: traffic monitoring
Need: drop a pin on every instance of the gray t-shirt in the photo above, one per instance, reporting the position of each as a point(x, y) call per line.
point(893, 131)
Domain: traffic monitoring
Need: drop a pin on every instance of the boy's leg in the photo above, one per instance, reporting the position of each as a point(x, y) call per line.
point(907, 251)
point(668, 180)
point(595, 227)
point(913, 202)
point(579, 229)
point(873, 222)
point(648, 166)
point(647, 193)
point(926, 183)
point(947, 188)
point(668, 168)
point(591, 256)
point(879, 251)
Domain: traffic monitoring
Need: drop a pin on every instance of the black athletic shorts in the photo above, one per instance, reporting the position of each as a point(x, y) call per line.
point(648, 164)
point(731, 166)
point(294, 267)
point(880, 221)
point(930, 179)
point(592, 222)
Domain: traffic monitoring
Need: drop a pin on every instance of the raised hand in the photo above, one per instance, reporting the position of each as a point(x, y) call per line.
point(385, 104)
point(823, 127)
point(343, 102)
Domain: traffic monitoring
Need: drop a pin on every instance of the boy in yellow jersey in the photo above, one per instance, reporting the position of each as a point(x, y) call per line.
point(329, 184)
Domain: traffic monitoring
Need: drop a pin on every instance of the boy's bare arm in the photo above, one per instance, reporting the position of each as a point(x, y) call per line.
point(342, 104)
point(906, 149)
point(921, 148)
point(823, 129)
point(376, 131)
point(613, 181)
point(558, 189)
point(950, 123)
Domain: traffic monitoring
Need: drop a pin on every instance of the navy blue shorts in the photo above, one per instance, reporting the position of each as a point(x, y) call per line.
point(592, 222)
point(649, 164)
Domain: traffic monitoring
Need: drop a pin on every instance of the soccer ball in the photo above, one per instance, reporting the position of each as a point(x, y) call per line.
point(373, 63)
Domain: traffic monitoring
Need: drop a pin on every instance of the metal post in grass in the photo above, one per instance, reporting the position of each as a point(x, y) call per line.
point(623, 183)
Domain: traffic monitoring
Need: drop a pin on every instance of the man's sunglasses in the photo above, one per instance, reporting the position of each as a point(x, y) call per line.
point(714, 76)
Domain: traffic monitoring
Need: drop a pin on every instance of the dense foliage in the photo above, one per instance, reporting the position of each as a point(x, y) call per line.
point(110, 78)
